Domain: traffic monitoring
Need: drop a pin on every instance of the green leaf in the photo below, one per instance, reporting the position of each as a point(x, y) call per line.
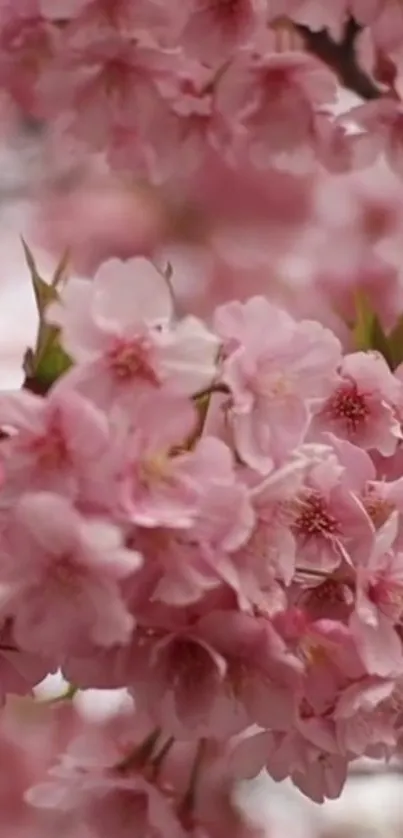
point(395, 341)
point(61, 270)
point(45, 293)
point(380, 341)
point(368, 332)
point(44, 364)
point(363, 326)
point(52, 362)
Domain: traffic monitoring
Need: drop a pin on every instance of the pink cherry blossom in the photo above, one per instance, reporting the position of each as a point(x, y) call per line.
point(261, 668)
point(188, 707)
point(362, 406)
point(379, 604)
point(54, 442)
point(364, 719)
point(332, 663)
point(317, 16)
point(121, 328)
point(61, 577)
point(384, 21)
point(142, 476)
point(203, 555)
point(317, 774)
point(329, 520)
point(267, 558)
point(211, 31)
point(102, 79)
point(273, 366)
point(267, 93)
point(100, 782)
point(99, 13)
point(381, 123)
point(27, 41)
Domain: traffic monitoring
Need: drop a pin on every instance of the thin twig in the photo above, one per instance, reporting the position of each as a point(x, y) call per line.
point(341, 58)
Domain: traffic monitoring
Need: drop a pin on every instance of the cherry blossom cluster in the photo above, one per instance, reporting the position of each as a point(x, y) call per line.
point(205, 511)
point(210, 516)
point(160, 89)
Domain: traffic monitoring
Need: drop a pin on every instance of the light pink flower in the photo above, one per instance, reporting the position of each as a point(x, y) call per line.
point(61, 577)
point(379, 604)
point(103, 79)
point(27, 43)
point(99, 782)
point(182, 575)
point(328, 519)
point(266, 561)
point(275, 98)
point(120, 327)
point(199, 558)
point(143, 476)
point(378, 497)
point(184, 140)
point(99, 14)
point(262, 673)
point(213, 30)
point(363, 405)
point(54, 441)
point(317, 15)
point(332, 662)
point(381, 122)
point(153, 477)
point(365, 715)
point(182, 680)
point(274, 366)
point(318, 774)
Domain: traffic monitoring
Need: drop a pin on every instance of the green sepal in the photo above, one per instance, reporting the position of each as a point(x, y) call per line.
point(44, 364)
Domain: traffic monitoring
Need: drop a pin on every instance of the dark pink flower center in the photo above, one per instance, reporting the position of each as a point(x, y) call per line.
point(225, 9)
point(51, 449)
point(349, 406)
point(131, 359)
point(387, 595)
point(378, 508)
point(66, 575)
point(331, 592)
point(314, 517)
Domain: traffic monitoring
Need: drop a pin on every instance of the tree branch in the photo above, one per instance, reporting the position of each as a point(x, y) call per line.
point(341, 58)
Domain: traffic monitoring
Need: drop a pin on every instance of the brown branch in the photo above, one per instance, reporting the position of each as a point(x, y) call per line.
point(341, 58)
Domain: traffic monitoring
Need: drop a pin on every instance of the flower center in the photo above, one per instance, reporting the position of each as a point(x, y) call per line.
point(379, 509)
point(331, 592)
point(225, 9)
point(155, 469)
point(273, 385)
point(131, 359)
point(313, 652)
point(314, 517)
point(50, 450)
point(388, 596)
point(66, 574)
point(349, 406)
